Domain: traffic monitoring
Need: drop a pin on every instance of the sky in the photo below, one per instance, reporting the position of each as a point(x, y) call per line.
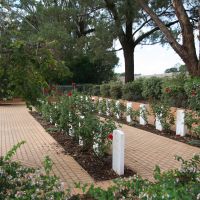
point(150, 60)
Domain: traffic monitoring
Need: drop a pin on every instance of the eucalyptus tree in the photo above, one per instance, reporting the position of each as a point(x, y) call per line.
point(187, 12)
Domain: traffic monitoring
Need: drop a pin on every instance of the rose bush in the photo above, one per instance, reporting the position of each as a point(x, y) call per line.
point(77, 115)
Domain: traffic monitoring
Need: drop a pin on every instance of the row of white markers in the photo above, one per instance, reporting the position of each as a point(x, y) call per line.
point(119, 138)
point(180, 118)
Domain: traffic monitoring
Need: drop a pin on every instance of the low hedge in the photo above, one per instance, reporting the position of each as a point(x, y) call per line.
point(133, 91)
point(116, 90)
point(176, 90)
point(173, 91)
point(96, 90)
point(105, 90)
point(152, 88)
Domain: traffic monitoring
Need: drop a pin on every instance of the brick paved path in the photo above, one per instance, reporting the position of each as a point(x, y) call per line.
point(16, 124)
point(143, 150)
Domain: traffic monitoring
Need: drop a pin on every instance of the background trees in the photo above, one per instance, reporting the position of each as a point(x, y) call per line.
point(64, 41)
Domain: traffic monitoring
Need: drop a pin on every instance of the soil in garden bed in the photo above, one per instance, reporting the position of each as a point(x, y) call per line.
point(99, 169)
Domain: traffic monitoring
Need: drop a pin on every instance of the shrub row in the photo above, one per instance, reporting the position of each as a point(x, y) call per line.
point(76, 115)
point(175, 90)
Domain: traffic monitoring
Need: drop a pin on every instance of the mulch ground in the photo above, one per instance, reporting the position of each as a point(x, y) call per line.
point(99, 168)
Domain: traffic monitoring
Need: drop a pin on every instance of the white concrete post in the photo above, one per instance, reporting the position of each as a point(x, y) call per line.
point(180, 123)
point(118, 152)
point(80, 141)
point(80, 138)
point(142, 109)
point(71, 131)
point(100, 101)
point(128, 106)
point(158, 124)
point(50, 120)
point(107, 106)
point(96, 146)
point(117, 105)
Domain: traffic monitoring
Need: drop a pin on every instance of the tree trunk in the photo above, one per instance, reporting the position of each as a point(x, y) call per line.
point(129, 62)
point(190, 58)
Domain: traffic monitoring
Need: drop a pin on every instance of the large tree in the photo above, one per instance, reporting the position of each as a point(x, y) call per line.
point(188, 16)
point(68, 29)
point(134, 27)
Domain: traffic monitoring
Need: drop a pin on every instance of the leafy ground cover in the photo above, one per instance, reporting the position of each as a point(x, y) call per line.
point(19, 182)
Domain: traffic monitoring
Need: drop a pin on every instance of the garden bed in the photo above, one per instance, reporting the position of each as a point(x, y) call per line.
point(188, 139)
point(99, 169)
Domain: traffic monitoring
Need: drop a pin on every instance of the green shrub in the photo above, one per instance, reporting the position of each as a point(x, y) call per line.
point(192, 89)
point(133, 91)
point(87, 89)
point(173, 91)
point(19, 182)
point(96, 90)
point(152, 88)
point(116, 90)
point(162, 111)
point(105, 90)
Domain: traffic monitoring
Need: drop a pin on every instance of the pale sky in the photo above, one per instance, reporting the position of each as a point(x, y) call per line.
point(151, 59)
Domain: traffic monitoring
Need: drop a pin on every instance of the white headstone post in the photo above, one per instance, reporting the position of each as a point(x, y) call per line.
point(108, 107)
point(100, 101)
point(96, 146)
point(80, 138)
point(128, 106)
point(180, 123)
point(158, 124)
point(118, 152)
point(142, 110)
point(117, 105)
point(80, 141)
point(71, 131)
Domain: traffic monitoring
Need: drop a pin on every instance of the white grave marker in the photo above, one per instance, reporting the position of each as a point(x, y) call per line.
point(80, 141)
point(100, 101)
point(180, 123)
point(96, 146)
point(117, 105)
point(107, 106)
point(142, 110)
point(128, 106)
point(118, 152)
point(71, 131)
point(158, 124)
